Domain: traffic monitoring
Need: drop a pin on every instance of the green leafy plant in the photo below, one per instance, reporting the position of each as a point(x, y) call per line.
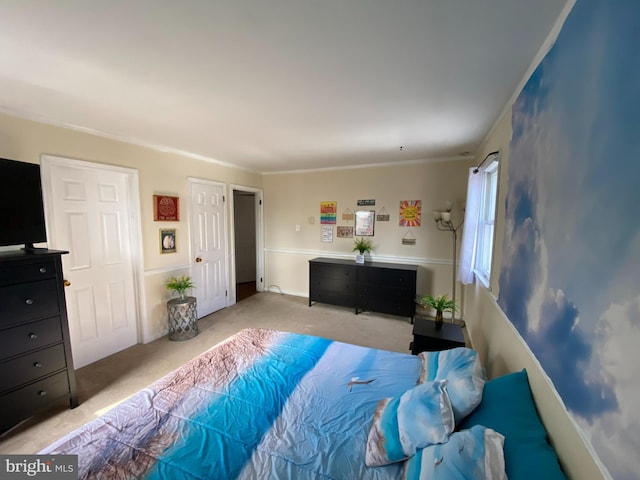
point(180, 285)
point(362, 245)
point(440, 304)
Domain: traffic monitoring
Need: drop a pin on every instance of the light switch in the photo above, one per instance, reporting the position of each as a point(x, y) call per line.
point(297, 228)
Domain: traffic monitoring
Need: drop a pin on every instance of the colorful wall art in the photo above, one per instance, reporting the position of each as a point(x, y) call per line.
point(410, 213)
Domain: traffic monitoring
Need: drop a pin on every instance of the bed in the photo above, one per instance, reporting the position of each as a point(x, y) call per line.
point(265, 404)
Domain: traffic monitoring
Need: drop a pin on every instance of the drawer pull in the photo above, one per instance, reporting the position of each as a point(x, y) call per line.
point(37, 365)
point(43, 270)
point(33, 336)
point(29, 301)
point(42, 393)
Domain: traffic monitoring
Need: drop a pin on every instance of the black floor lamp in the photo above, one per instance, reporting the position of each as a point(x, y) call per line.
point(444, 224)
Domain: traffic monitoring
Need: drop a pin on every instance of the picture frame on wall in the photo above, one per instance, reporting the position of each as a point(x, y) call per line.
point(167, 240)
point(166, 208)
point(344, 232)
point(365, 220)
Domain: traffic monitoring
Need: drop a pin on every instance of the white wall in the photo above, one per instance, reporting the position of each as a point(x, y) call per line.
point(294, 198)
point(159, 173)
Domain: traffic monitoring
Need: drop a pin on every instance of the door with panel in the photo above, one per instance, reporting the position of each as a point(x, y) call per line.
point(208, 245)
point(89, 213)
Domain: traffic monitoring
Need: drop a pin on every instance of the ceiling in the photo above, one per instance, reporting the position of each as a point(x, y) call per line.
point(275, 85)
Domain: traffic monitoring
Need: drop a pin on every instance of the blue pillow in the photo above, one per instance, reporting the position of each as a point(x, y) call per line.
point(507, 407)
point(464, 374)
point(401, 425)
point(474, 454)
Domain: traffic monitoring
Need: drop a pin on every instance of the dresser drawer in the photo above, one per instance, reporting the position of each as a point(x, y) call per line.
point(335, 272)
point(30, 336)
point(382, 304)
point(387, 277)
point(28, 301)
point(32, 366)
point(20, 272)
point(24, 402)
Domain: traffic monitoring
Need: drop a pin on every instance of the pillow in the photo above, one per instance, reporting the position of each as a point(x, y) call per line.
point(507, 407)
point(401, 425)
point(470, 454)
point(464, 374)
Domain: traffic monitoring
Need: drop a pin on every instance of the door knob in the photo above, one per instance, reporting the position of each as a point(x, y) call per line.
point(198, 259)
point(67, 283)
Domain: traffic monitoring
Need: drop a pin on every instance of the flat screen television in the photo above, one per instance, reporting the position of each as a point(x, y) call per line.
point(21, 207)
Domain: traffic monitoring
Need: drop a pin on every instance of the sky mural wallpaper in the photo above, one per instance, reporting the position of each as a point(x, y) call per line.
point(570, 274)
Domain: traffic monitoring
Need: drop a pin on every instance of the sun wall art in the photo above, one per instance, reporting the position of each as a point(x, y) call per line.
point(410, 213)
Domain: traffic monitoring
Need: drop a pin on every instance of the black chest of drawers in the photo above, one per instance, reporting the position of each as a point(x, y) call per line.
point(373, 286)
point(36, 367)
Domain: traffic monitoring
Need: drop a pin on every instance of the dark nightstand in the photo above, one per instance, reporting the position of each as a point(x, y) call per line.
point(427, 339)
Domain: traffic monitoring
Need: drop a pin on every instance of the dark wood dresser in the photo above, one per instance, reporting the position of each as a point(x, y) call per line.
point(36, 367)
point(373, 286)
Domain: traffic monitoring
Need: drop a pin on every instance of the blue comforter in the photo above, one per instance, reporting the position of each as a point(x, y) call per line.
point(260, 405)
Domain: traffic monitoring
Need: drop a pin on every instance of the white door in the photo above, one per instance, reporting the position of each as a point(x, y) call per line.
point(88, 215)
point(208, 245)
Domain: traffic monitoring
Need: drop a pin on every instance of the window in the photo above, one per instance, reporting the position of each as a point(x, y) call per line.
point(486, 222)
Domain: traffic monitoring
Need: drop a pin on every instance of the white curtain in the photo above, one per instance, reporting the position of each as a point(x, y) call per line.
point(470, 233)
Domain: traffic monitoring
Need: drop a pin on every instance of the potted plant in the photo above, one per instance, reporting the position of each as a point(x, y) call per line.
point(182, 310)
point(439, 304)
point(362, 245)
point(179, 285)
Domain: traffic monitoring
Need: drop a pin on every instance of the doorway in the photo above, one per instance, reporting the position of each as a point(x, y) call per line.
point(247, 242)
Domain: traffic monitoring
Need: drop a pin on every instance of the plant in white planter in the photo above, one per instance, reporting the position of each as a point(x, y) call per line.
point(179, 285)
point(439, 304)
point(362, 246)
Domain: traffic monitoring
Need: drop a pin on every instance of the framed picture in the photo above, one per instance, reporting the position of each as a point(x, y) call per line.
point(410, 213)
point(166, 208)
point(345, 232)
point(168, 241)
point(327, 233)
point(328, 213)
point(364, 223)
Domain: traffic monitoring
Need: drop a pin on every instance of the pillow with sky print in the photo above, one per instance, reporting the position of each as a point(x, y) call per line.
point(464, 374)
point(401, 425)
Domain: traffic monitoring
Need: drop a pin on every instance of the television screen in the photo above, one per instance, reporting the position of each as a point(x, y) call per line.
point(21, 208)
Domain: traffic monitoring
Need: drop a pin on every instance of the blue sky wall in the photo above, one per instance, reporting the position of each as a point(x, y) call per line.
point(570, 274)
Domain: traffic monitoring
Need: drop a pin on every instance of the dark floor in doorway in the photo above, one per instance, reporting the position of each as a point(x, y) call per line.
point(245, 290)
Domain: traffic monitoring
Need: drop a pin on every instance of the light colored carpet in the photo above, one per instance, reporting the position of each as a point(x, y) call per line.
point(107, 382)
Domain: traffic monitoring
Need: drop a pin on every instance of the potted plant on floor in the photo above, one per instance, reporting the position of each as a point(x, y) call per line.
point(182, 313)
point(440, 304)
point(362, 246)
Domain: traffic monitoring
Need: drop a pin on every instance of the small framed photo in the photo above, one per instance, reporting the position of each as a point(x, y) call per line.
point(168, 240)
point(345, 232)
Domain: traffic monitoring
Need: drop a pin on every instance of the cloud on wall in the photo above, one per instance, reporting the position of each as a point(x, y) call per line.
point(614, 434)
point(570, 272)
point(564, 351)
